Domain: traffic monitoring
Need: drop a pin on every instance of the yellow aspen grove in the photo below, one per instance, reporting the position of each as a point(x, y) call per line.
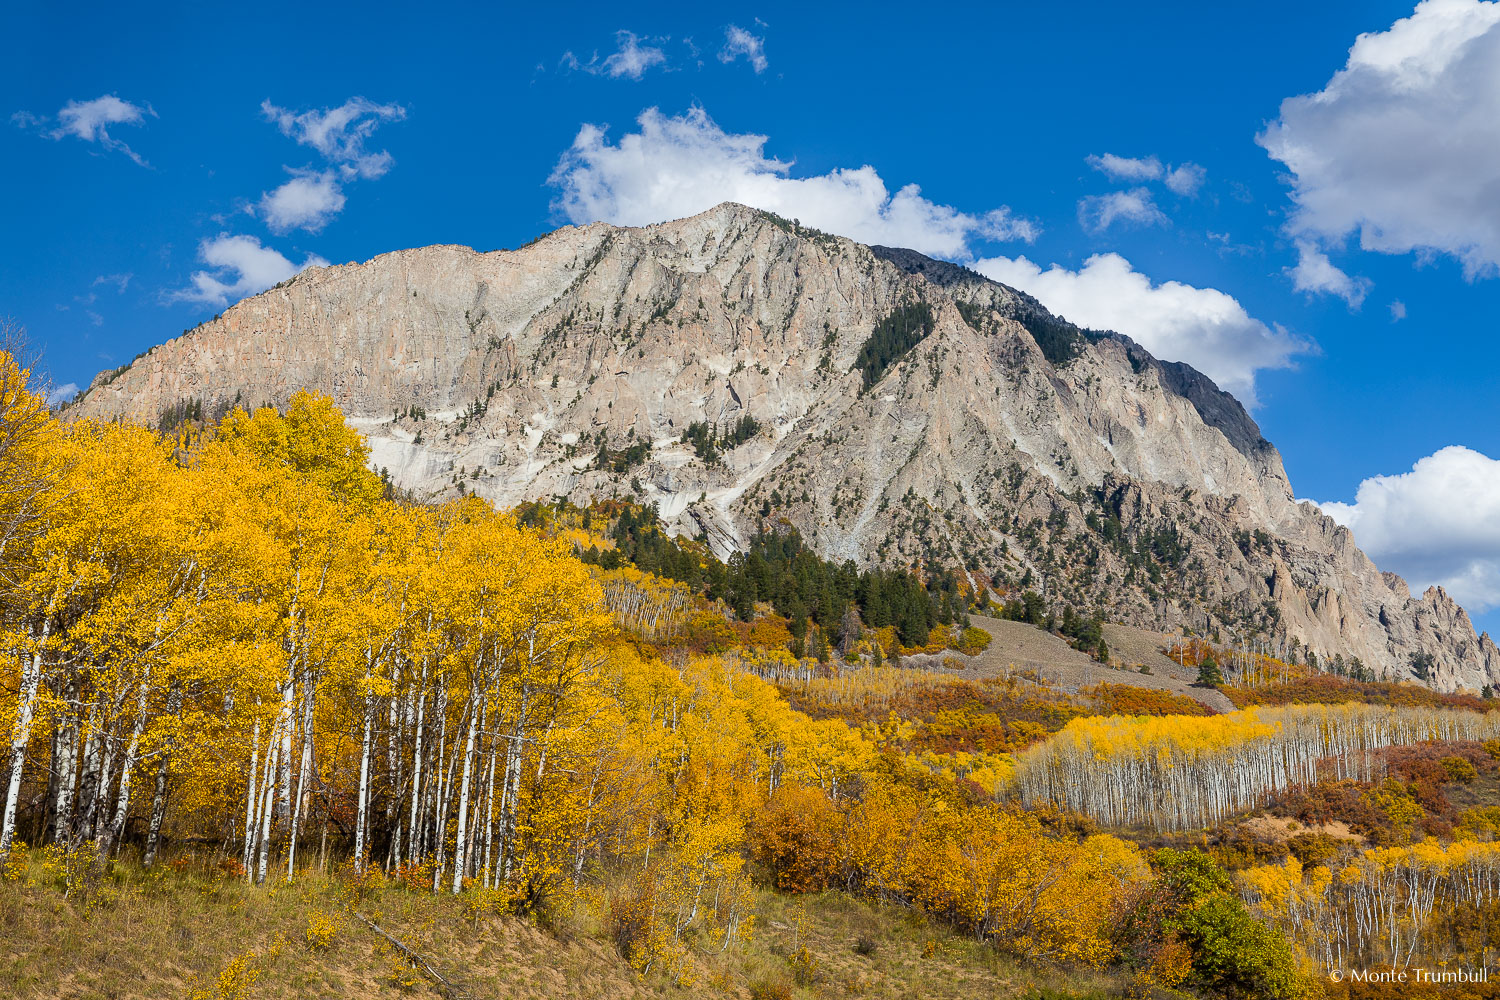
point(1377, 906)
point(1179, 772)
point(232, 640)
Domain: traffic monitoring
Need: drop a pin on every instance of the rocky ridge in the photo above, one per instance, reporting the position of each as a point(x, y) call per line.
point(1003, 438)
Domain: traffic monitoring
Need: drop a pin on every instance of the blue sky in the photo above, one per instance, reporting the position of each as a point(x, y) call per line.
point(1159, 170)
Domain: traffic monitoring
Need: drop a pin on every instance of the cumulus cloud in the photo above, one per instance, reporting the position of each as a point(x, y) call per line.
point(307, 201)
point(1204, 327)
point(1402, 146)
point(739, 42)
point(91, 122)
point(1183, 180)
point(1124, 168)
point(1097, 213)
point(1314, 272)
point(677, 166)
point(340, 133)
point(1437, 524)
point(313, 197)
point(238, 266)
point(1186, 179)
point(1398, 311)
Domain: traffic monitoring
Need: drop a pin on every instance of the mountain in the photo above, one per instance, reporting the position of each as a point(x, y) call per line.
point(737, 369)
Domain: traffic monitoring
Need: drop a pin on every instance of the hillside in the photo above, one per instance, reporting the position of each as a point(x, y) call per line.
point(735, 369)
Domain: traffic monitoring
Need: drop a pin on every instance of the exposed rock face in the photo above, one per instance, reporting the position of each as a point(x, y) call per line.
point(1116, 481)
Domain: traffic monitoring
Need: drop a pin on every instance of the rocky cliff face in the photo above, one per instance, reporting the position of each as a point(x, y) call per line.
point(1000, 437)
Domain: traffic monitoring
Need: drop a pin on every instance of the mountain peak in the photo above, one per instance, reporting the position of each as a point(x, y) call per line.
point(737, 369)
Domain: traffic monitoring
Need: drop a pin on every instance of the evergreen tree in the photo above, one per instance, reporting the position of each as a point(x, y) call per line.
point(1209, 675)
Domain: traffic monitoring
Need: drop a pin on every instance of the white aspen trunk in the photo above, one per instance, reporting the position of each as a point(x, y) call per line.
point(31, 679)
point(267, 804)
point(158, 812)
point(489, 819)
point(394, 734)
point(251, 781)
point(284, 758)
point(508, 809)
point(309, 694)
point(116, 826)
point(439, 804)
point(460, 852)
point(294, 619)
point(159, 799)
point(66, 765)
point(414, 845)
point(364, 777)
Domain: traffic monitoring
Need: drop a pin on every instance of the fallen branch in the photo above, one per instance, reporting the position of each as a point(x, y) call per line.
point(445, 987)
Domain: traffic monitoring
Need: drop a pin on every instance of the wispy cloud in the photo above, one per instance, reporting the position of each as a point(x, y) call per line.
point(631, 59)
point(740, 43)
point(340, 133)
point(312, 197)
point(120, 281)
point(91, 121)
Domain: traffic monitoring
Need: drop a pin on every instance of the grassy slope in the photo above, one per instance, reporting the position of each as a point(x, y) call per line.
point(167, 933)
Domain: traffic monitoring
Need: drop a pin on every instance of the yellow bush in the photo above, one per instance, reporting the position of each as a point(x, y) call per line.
point(320, 931)
point(235, 983)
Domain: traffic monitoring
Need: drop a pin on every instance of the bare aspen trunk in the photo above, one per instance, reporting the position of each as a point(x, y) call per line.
point(395, 732)
point(159, 799)
point(309, 694)
point(460, 852)
point(251, 781)
point(112, 832)
point(267, 805)
point(439, 824)
point(362, 809)
point(31, 679)
point(158, 812)
point(489, 818)
point(284, 767)
point(414, 847)
point(66, 766)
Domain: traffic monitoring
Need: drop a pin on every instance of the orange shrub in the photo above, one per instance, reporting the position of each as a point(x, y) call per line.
point(1127, 699)
point(797, 837)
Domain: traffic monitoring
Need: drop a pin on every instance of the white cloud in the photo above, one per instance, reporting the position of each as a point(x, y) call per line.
point(1097, 213)
point(340, 133)
point(240, 266)
point(90, 121)
point(1124, 168)
point(1398, 311)
point(62, 393)
point(1186, 179)
point(120, 281)
point(1316, 273)
point(739, 42)
point(307, 201)
point(679, 166)
point(1437, 524)
point(1402, 146)
point(1204, 327)
point(632, 59)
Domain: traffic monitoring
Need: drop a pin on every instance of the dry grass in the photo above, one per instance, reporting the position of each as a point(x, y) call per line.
point(178, 931)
